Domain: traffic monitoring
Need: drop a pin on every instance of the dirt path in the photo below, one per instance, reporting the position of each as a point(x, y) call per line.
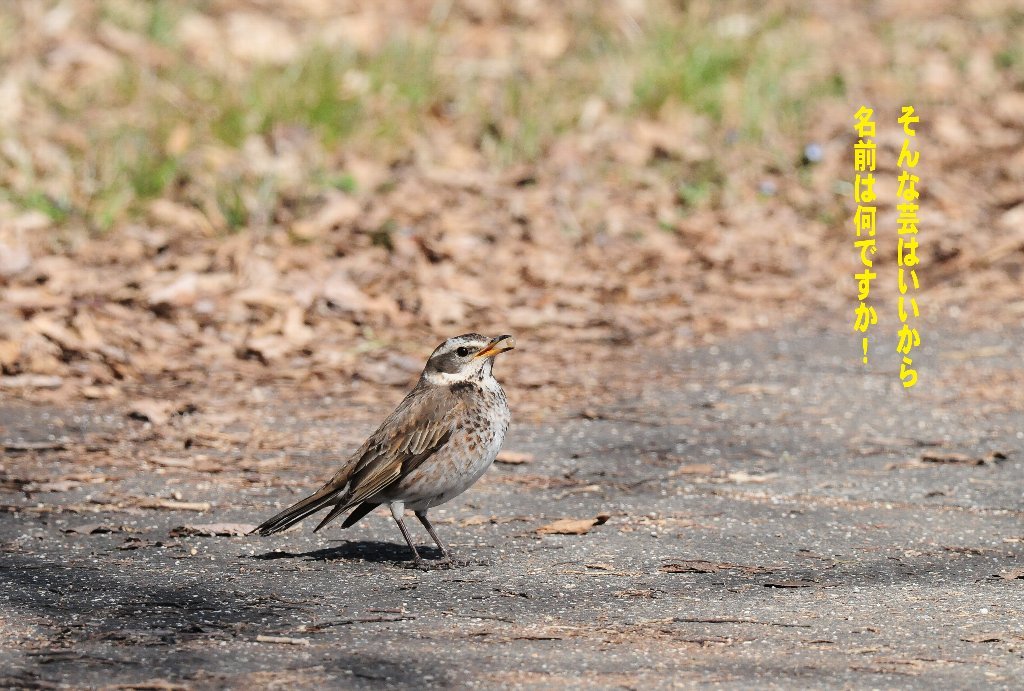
point(764, 528)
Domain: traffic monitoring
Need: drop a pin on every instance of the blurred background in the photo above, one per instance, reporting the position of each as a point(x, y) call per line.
point(224, 194)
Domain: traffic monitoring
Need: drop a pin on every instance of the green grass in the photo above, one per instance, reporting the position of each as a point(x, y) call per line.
point(687, 66)
point(742, 81)
point(57, 210)
point(306, 93)
point(382, 101)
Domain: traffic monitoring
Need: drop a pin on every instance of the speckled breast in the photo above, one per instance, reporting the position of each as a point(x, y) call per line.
point(466, 456)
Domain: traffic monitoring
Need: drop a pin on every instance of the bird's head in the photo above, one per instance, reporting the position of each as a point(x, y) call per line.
point(465, 358)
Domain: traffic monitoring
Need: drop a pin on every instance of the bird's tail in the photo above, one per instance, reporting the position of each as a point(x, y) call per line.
point(326, 496)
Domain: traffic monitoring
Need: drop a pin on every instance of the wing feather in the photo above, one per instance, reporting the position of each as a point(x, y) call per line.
point(420, 426)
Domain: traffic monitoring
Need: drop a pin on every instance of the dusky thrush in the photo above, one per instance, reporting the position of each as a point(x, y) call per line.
point(439, 440)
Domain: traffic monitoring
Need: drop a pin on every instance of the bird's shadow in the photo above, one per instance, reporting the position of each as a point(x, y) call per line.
point(357, 550)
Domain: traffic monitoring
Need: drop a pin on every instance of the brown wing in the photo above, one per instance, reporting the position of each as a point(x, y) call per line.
point(420, 425)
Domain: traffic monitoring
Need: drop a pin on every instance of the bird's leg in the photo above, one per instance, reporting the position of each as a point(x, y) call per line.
point(397, 509)
point(445, 552)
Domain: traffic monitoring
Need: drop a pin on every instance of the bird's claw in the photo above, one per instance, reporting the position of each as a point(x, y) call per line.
point(443, 563)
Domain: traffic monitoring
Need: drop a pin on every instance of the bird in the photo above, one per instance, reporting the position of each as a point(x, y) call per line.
point(440, 440)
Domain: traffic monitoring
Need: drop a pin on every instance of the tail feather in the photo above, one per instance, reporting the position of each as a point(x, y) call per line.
point(363, 509)
point(295, 513)
point(335, 512)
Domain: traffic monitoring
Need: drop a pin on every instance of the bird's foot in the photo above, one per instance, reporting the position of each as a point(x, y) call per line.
point(418, 564)
point(443, 563)
point(451, 562)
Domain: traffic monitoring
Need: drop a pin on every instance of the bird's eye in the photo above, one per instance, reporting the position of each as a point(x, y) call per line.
point(462, 351)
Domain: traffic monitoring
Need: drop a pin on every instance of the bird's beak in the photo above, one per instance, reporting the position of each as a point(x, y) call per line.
point(498, 345)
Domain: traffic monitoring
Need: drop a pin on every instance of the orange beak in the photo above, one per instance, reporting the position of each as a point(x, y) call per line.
point(498, 345)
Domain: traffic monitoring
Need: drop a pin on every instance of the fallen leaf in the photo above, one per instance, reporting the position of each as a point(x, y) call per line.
point(212, 530)
point(983, 638)
point(31, 381)
point(343, 295)
point(95, 529)
point(514, 457)
point(340, 211)
point(10, 351)
point(573, 526)
point(100, 392)
point(694, 469)
point(952, 458)
point(168, 462)
point(53, 486)
point(181, 292)
point(743, 477)
point(136, 543)
point(1012, 574)
point(705, 566)
point(475, 520)
point(696, 566)
point(441, 307)
point(152, 410)
point(54, 445)
point(793, 583)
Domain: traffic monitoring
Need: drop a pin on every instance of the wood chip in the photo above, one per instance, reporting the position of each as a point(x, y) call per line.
point(31, 381)
point(171, 504)
point(282, 639)
point(55, 445)
point(694, 469)
point(514, 457)
point(212, 530)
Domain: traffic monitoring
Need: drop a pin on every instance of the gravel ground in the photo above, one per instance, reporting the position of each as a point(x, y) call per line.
point(774, 516)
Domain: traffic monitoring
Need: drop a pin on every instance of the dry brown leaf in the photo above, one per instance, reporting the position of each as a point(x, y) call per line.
point(180, 292)
point(475, 520)
point(52, 486)
point(1012, 574)
point(694, 469)
point(10, 351)
point(96, 529)
point(268, 348)
point(743, 477)
point(152, 410)
point(791, 583)
point(953, 458)
point(136, 543)
point(704, 566)
point(441, 307)
point(339, 211)
point(573, 526)
point(168, 213)
point(169, 462)
point(31, 381)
